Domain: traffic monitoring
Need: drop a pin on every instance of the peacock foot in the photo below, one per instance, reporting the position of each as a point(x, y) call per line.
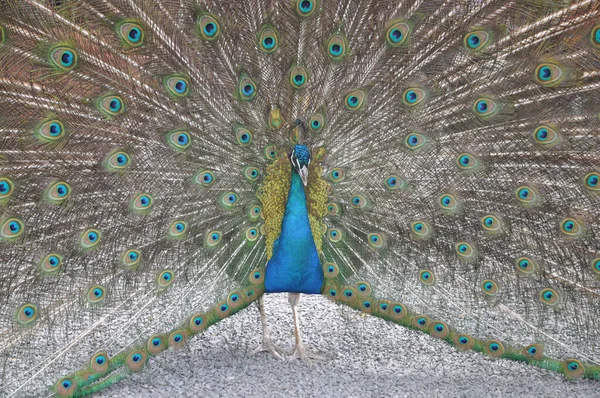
point(268, 346)
point(301, 353)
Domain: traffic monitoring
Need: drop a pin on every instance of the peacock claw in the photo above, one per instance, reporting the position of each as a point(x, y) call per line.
point(268, 346)
point(306, 356)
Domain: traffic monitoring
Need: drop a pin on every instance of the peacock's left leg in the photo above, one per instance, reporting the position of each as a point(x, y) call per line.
point(299, 350)
point(267, 342)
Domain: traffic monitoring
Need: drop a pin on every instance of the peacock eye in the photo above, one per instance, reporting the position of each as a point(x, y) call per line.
point(464, 250)
point(177, 86)
point(394, 182)
point(525, 266)
point(179, 140)
point(491, 223)
point(358, 201)
point(268, 38)
point(131, 258)
point(305, 7)
point(63, 58)
point(467, 162)
point(570, 226)
point(337, 174)
point(96, 294)
point(165, 278)
point(207, 27)
point(243, 135)
point(549, 296)
point(426, 277)
point(298, 76)
point(7, 188)
point(592, 181)
point(448, 202)
point(413, 96)
point(110, 105)
point(11, 229)
point(527, 195)
point(355, 100)
point(212, 238)
point(141, 203)
point(421, 229)
point(596, 35)
point(375, 240)
point(476, 40)
point(229, 199)
point(397, 33)
point(485, 108)
point(50, 131)
point(489, 287)
point(246, 88)
point(51, 263)
point(415, 141)
point(57, 192)
point(117, 160)
point(548, 74)
point(337, 46)
point(317, 122)
point(132, 34)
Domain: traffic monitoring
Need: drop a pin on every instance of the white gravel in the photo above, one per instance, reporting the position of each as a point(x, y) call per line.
point(365, 357)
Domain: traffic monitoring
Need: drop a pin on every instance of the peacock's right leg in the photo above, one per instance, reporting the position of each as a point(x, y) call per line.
point(267, 343)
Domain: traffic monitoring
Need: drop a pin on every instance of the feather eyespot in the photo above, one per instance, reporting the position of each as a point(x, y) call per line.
point(305, 7)
point(252, 234)
point(117, 161)
point(204, 178)
point(592, 181)
point(268, 39)
point(413, 96)
point(448, 202)
point(485, 108)
point(467, 162)
point(525, 266)
point(397, 33)
point(330, 270)
point(177, 86)
point(243, 135)
point(96, 294)
point(337, 174)
point(11, 229)
point(394, 182)
point(527, 195)
point(420, 229)
point(246, 88)
point(141, 203)
point(548, 74)
point(570, 226)
point(573, 368)
point(156, 344)
point(476, 40)
point(27, 314)
point(90, 239)
point(207, 27)
point(131, 34)
point(376, 240)
point(596, 266)
point(533, 351)
point(337, 46)
point(489, 287)
point(549, 296)
point(66, 387)
point(316, 123)
point(355, 100)
point(251, 173)
point(177, 229)
point(7, 188)
point(51, 263)
point(229, 199)
point(50, 131)
point(99, 362)
point(136, 360)
point(165, 278)
point(546, 136)
point(335, 235)
point(110, 105)
point(415, 141)
point(298, 76)
point(131, 259)
point(63, 58)
point(494, 348)
point(57, 192)
point(179, 140)
point(491, 223)
point(595, 36)
point(212, 239)
point(465, 250)
point(426, 277)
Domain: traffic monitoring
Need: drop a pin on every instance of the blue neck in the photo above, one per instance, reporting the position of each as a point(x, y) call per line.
point(295, 265)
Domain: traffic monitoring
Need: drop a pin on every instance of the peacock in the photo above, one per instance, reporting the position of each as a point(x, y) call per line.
point(164, 165)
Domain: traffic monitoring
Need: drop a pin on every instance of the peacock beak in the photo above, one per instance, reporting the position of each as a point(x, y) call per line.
point(304, 174)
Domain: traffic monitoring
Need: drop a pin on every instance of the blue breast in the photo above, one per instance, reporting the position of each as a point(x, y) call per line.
point(295, 266)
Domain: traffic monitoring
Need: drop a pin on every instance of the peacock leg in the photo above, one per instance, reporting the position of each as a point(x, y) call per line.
point(299, 350)
point(267, 343)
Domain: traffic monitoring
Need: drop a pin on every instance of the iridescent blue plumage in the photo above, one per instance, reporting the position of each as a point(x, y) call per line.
point(295, 266)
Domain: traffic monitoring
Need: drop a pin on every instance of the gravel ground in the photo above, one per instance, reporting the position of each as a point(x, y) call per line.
point(365, 357)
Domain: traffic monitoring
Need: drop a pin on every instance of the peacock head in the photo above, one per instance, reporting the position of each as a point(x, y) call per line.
point(300, 158)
